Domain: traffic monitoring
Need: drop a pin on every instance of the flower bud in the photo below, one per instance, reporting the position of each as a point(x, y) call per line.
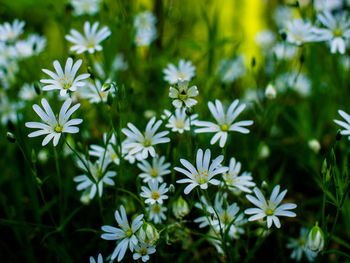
point(180, 208)
point(11, 137)
point(314, 145)
point(270, 92)
point(148, 234)
point(171, 189)
point(315, 239)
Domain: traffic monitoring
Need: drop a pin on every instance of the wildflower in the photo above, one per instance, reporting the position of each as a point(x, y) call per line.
point(185, 71)
point(230, 70)
point(265, 38)
point(154, 193)
point(27, 92)
point(269, 208)
point(182, 95)
point(148, 234)
point(299, 247)
point(100, 175)
point(125, 233)
point(345, 125)
point(34, 45)
point(66, 80)
point(327, 5)
point(154, 171)
point(203, 174)
point(285, 51)
point(156, 212)
point(238, 183)
point(315, 239)
point(146, 31)
point(337, 30)
point(138, 143)
point(108, 150)
point(90, 41)
point(10, 110)
point(10, 32)
point(298, 82)
point(180, 208)
point(81, 7)
point(53, 125)
point(99, 259)
point(143, 251)
point(299, 32)
point(179, 122)
point(224, 121)
point(94, 92)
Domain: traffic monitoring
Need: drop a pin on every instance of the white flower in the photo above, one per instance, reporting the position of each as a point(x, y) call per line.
point(94, 93)
point(100, 175)
point(53, 126)
point(154, 193)
point(126, 233)
point(182, 95)
point(179, 122)
point(314, 145)
point(282, 14)
point(225, 121)
point(185, 71)
point(81, 7)
point(299, 32)
point(337, 30)
point(138, 143)
point(109, 153)
point(10, 32)
point(297, 81)
point(156, 213)
point(238, 183)
point(230, 70)
point(154, 171)
point(299, 247)
point(285, 51)
point(315, 239)
point(34, 45)
point(271, 208)
point(143, 251)
point(265, 38)
point(91, 39)
point(345, 125)
point(66, 80)
point(99, 259)
point(327, 5)
point(9, 110)
point(203, 174)
point(146, 31)
point(27, 92)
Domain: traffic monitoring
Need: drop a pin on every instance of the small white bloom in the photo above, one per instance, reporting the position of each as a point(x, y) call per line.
point(265, 38)
point(27, 92)
point(314, 145)
point(238, 183)
point(109, 153)
point(146, 30)
point(34, 45)
point(179, 122)
point(100, 175)
point(91, 39)
point(154, 171)
point(54, 126)
point(94, 93)
point(99, 259)
point(299, 32)
point(180, 208)
point(299, 247)
point(298, 82)
point(345, 125)
point(230, 70)
point(225, 121)
point(185, 71)
point(270, 92)
point(270, 208)
point(125, 233)
point(315, 239)
point(203, 174)
point(154, 193)
point(66, 80)
point(183, 95)
point(143, 251)
point(9, 110)
point(327, 5)
point(156, 213)
point(138, 143)
point(285, 51)
point(81, 7)
point(10, 32)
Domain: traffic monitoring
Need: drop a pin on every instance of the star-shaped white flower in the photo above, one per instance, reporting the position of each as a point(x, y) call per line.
point(270, 208)
point(182, 95)
point(185, 71)
point(54, 126)
point(66, 80)
point(154, 193)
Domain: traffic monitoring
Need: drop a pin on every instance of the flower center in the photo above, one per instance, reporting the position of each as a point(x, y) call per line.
point(147, 142)
point(181, 75)
point(155, 195)
point(59, 128)
point(66, 82)
point(225, 218)
point(154, 172)
point(301, 241)
point(224, 127)
point(179, 124)
point(156, 209)
point(143, 251)
point(129, 232)
point(183, 95)
point(202, 180)
point(337, 33)
point(269, 211)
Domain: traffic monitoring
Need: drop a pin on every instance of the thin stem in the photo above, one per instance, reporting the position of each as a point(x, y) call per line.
point(59, 179)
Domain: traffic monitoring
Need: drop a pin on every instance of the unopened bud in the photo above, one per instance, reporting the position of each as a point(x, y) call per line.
point(314, 145)
point(315, 239)
point(270, 92)
point(11, 137)
point(148, 234)
point(180, 208)
point(171, 189)
point(189, 111)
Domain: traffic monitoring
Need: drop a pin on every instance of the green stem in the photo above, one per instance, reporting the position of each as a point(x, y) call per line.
point(59, 179)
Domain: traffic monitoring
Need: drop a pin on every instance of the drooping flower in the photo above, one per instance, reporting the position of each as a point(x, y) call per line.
point(154, 171)
point(154, 193)
point(125, 233)
point(203, 174)
point(185, 71)
point(138, 143)
point(270, 208)
point(182, 95)
point(91, 39)
point(64, 81)
point(54, 126)
point(225, 121)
